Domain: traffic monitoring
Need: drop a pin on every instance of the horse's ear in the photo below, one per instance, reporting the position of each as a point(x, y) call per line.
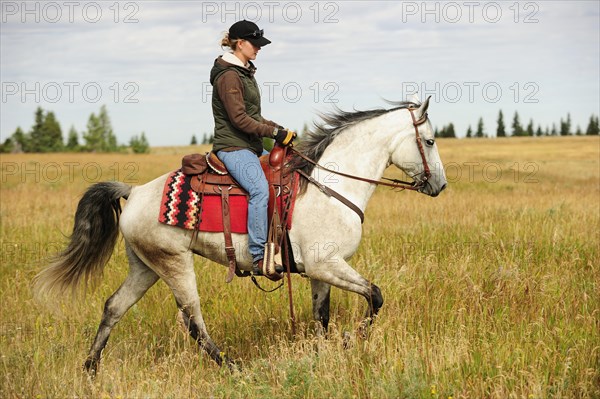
point(423, 107)
point(414, 98)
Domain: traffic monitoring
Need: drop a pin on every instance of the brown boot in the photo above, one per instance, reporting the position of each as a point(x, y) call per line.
point(259, 270)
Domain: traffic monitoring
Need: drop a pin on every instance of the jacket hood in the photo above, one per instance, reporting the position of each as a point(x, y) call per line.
point(221, 66)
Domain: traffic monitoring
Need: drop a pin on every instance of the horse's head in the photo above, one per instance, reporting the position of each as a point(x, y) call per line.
point(415, 152)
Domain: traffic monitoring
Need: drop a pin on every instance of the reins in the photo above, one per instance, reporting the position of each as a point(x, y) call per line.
point(395, 183)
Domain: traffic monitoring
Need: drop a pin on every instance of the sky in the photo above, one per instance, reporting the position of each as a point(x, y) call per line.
point(149, 61)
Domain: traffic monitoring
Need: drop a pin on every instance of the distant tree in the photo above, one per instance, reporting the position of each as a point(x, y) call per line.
point(517, 129)
point(553, 132)
point(73, 140)
point(539, 132)
point(194, 141)
point(450, 131)
point(436, 132)
point(36, 133)
point(593, 129)
point(469, 132)
point(109, 140)
point(480, 129)
point(530, 131)
point(94, 138)
point(565, 126)
point(500, 130)
point(139, 145)
point(578, 131)
point(51, 138)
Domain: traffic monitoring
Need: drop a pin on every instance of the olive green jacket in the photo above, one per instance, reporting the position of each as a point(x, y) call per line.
point(236, 108)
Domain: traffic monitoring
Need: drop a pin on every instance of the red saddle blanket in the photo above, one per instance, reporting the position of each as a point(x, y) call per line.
point(180, 206)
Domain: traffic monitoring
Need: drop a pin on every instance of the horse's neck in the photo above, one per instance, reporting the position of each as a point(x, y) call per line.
point(361, 150)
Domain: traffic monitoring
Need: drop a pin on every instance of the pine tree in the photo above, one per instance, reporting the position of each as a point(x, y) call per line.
point(469, 132)
point(539, 132)
point(480, 129)
point(565, 126)
point(51, 138)
point(73, 140)
point(21, 141)
point(554, 132)
point(593, 129)
point(500, 130)
point(109, 140)
point(194, 141)
point(94, 135)
point(530, 131)
point(139, 145)
point(36, 133)
point(517, 129)
point(450, 131)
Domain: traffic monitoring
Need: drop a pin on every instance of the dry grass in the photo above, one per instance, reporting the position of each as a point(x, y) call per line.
point(491, 290)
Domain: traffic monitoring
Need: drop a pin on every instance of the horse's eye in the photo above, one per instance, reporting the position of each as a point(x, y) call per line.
point(430, 142)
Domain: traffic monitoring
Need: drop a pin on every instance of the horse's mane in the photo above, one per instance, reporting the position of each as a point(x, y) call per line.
point(313, 143)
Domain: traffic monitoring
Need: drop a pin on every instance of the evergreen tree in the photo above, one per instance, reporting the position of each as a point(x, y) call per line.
point(73, 140)
point(578, 131)
point(36, 133)
point(539, 132)
point(51, 139)
point(469, 132)
point(194, 141)
point(20, 141)
point(480, 129)
point(565, 126)
point(450, 131)
point(109, 140)
point(500, 130)
point(593, 128)
point(517, 129)
point(530, 131)
point(436, 132)
point(139, 145)
point(554, 132)
point(94, 135)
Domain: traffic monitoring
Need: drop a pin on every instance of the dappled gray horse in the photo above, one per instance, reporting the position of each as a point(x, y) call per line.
point(356, 143)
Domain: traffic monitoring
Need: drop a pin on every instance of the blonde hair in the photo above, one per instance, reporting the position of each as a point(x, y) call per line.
point(227, 42)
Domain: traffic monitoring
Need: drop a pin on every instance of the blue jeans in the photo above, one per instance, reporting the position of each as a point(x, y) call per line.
point(245, 168)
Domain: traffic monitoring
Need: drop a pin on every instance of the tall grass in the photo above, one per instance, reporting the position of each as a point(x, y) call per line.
point(491, 290)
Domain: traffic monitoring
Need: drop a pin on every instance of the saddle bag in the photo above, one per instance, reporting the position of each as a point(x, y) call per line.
point(194, 164)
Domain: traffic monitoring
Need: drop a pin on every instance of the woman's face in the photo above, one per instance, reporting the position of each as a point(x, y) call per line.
point(248, 50)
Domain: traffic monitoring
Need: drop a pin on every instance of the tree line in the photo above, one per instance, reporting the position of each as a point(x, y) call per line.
point(564, 128)
point(46, 136)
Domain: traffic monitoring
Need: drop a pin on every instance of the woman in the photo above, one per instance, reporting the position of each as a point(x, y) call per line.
point(240, 127)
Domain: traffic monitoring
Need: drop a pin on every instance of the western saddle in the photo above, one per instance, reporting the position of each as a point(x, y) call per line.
point(210, 177)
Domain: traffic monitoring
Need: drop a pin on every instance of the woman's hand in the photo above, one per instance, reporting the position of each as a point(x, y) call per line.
point(284, 136)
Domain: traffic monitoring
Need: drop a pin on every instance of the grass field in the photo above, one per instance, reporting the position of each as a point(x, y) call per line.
point(492, 290)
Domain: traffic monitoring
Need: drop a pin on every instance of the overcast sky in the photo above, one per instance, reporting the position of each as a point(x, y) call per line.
point(149, 61)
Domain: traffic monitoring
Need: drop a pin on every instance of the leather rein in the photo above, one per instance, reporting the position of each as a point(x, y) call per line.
point(415, 185)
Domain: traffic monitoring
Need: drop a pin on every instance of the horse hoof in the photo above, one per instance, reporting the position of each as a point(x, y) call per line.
point(91, 367)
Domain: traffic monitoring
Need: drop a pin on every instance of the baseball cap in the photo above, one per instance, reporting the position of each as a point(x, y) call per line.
point(248, 31)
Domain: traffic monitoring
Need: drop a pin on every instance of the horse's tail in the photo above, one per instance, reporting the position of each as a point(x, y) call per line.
point(95, 233)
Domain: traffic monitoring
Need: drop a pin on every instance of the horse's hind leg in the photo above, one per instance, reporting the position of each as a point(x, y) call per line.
point(183, 285)
point(320, 303)
point(138, 281)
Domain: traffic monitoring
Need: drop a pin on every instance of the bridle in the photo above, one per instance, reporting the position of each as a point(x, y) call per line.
point(416, 185)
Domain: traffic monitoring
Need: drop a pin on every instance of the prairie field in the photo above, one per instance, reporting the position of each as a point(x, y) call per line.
point(491, 290)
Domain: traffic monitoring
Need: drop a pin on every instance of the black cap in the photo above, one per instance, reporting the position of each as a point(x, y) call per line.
point(248, 31)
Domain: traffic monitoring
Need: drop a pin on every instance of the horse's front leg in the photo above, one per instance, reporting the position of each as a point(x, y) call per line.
point(337, 272)
point(320, 303)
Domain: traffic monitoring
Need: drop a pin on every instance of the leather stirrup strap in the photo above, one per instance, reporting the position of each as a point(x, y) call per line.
point(229, 249)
